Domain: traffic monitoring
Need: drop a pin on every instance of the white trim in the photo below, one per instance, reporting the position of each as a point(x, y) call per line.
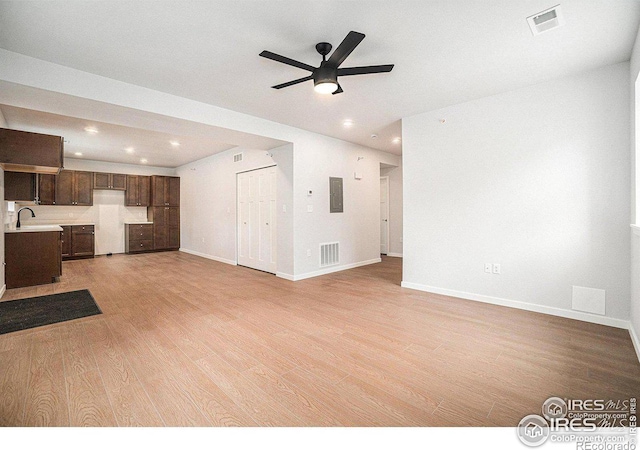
point(3, 289)
point(334, 269)
point(286, 276)
point(635, 340)
point(577, 315)
point(204, 255)
point(386, 177)
point(635, 229)
point(395, 255)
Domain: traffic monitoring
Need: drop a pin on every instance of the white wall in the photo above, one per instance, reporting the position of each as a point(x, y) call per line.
point(358, 227)
point(108, 212)
point(535, 179)
point(208, 203)
point(395, 208)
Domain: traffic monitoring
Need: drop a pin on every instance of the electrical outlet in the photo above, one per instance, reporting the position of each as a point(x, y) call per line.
point(487, 267)
point(203, 240)
point(309, 208)
point(284, 208)
point(496, 268)
point(309, 253)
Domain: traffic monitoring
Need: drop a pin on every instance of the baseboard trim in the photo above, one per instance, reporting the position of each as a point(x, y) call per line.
point(635, 340)
point(286, 276)
point(3, 289)
point(569, 314)
point(333, 269)
point(204, 255)
point(395, 255)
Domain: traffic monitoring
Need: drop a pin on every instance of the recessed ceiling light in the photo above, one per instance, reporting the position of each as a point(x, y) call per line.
point(129, 149)
point(175, 143)
point(348, 123)
point(396, 140)
point(143, 161)
point(92, 130)
point(78, 153)
point(374, 136)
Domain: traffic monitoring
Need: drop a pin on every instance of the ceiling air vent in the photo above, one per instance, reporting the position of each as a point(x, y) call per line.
point(546, 20)
point(237, 157)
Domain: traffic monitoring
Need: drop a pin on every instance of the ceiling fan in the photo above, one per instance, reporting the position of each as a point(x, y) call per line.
point(325, 77)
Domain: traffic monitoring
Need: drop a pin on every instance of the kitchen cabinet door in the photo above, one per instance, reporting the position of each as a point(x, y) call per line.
point(101, 180)
point(131, 194)
point(158, 191)
point(83, 187)
point(64, 188)
point(66, 241)
point(47, 189)
point(173, 239)
point(118, 181)
point(144, 191)
point(173, 191)
point(19, 186)
point(82, 241)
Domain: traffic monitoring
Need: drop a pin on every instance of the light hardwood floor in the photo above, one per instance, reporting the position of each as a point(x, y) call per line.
point(185, 341)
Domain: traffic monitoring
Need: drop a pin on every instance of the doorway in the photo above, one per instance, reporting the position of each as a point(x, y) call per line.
point(256, 219)
point(384, 215)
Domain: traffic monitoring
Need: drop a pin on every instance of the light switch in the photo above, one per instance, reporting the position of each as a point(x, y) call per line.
point(284, 208)
point(309, 208)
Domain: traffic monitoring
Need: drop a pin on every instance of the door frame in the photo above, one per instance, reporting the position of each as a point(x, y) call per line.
point(386, 177)
point(237, 229)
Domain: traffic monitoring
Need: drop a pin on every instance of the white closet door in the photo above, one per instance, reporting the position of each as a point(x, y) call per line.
point(257, 219)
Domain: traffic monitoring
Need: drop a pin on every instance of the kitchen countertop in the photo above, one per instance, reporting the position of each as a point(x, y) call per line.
point(138, 223)
point(35, 228)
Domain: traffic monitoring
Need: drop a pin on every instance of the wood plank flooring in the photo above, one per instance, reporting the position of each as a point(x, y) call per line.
point(186, 341)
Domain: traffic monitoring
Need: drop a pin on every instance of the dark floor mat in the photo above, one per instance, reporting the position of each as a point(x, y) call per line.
point(16, 315)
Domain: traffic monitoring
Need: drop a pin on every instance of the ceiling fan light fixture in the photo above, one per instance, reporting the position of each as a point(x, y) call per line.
point(326, 87)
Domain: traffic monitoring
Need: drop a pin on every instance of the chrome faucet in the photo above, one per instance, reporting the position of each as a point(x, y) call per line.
point(20, 210)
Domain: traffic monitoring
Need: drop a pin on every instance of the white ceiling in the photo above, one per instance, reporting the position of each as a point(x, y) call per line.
point(445, 51)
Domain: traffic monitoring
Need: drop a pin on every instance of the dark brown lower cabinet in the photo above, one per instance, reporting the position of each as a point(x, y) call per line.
point(166, 227)
point(138, 237)
point(32, 258)
point(78, 241)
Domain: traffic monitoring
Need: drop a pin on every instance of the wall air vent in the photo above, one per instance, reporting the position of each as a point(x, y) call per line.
point(329, 254)
point(546, 20)
point(237, 157)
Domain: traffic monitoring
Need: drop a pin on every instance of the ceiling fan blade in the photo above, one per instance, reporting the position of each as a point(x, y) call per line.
point(338, 91)
point(291, 83)
point(283, 59)
point(364, 70)
point(345, 48)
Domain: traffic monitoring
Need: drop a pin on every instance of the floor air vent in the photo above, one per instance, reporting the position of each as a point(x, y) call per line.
point(237, 157)
point(329, 254)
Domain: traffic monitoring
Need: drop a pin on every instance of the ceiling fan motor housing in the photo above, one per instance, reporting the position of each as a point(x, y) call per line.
point(325, 74)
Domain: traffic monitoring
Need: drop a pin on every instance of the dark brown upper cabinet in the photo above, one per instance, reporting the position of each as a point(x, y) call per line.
point(19, 186)
point(46, 189)
point(70, 187)
point(113, 181)
point(165, 191)
point(138, 191)
point(22, 151)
